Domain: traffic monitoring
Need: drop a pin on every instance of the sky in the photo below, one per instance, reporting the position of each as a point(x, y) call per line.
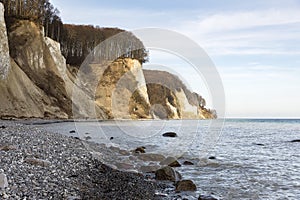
point(255, 45)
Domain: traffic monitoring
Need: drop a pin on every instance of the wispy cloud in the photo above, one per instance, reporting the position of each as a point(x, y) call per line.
point(247, 33)
point(244, 20)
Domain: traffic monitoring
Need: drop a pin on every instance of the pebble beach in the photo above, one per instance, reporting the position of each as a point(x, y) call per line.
point(36, 164)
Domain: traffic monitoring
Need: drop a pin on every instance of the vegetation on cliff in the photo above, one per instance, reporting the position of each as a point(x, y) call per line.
point(77, 41)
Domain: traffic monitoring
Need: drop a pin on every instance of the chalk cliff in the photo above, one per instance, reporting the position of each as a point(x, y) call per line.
point(171, 99)
point(36, 82)
point(4, 52)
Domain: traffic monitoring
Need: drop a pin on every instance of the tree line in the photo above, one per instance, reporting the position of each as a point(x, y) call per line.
point(77, 41)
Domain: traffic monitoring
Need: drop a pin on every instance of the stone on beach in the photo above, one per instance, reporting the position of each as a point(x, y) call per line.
point(8, 148)
point(3, 180)
point(75, 172)
point(37, 162)
point(186, 185)
point(167, 174)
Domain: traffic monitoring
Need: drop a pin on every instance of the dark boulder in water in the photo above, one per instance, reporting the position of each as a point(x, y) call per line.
point(167, 174)
point(259, 144)
point(296, 140)
point(186, 185)
point(212, 158)
point(72, 131)
point(188, 163)
point(2, 127)
point(140, 150)
point(169, 134)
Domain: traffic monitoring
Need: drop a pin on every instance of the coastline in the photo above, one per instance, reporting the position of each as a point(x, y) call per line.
point(40, 165)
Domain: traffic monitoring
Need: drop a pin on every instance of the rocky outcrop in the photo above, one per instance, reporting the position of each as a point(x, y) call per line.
point(122, 91)
point(4, 52)
point(171, 99)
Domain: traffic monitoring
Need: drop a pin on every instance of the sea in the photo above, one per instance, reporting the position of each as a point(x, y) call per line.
point(233, 158)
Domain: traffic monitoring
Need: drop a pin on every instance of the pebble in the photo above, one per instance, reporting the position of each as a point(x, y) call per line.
point(37, 162)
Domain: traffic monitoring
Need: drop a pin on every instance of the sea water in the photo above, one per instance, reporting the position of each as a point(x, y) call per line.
point(254, 158)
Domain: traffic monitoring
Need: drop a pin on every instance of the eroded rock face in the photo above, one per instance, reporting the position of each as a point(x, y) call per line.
point(36, 82)
point(39, 84)
point(35, 57)
point(171, 99)
point(4, 51)
point(122, 90)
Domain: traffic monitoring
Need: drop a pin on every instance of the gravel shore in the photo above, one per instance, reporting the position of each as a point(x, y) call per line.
point(42, 165)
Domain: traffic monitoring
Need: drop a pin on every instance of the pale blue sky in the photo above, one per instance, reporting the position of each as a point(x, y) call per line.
point(255, 45)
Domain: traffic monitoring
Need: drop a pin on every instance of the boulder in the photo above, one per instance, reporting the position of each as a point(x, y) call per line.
point(140, 150)
point(3, 180)
point(170, 161)
point(185, 185)
point(87, 137)
point(188, 163)
point(167, 174)
point(169, 134)
point(151, 157)
point(295, 140)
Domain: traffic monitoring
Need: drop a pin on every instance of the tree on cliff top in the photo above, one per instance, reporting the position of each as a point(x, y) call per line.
point(76, 41)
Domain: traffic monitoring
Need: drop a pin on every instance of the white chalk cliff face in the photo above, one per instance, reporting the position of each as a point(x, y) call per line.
point(35, 82)
point(38, 83)
point(122, 91)
point(4, 51)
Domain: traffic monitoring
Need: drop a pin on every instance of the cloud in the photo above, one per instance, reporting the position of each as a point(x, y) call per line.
point(245, 20)
point(259, 32)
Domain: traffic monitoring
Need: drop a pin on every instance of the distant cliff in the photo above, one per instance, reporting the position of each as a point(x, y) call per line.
point(171, 99)
point(36, 82)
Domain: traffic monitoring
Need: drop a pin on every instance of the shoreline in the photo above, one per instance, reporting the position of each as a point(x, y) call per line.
point(39, 164)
